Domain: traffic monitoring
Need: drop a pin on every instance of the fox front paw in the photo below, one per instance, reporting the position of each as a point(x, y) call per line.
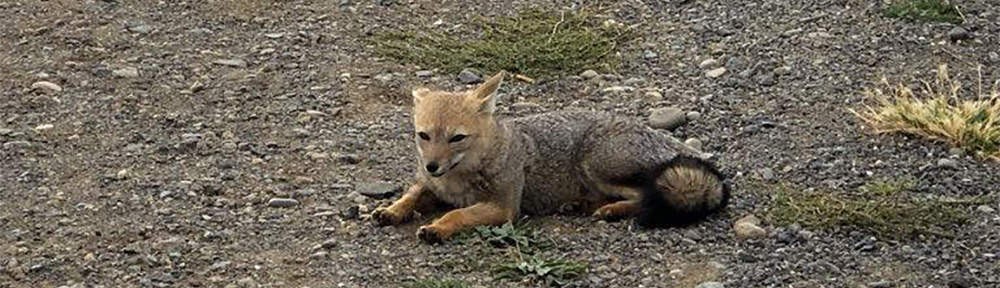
point(385, 217)
point(431, 234)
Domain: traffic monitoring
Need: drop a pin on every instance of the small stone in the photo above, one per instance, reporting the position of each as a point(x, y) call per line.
point(693, 116)
point(44, 127)
point(985, 209)
point(748, 227)
point(231, 62)
point(425, 73)
point(6, 131)
point(712, 284)
point(589, 74)
point(16, 144)
point(667, 118)
point(319, 255)
point(46, 85)
point(282, 202)
point(329, 244)
point(783, 70)
point(649, 54)
point(139, 27)
point(347, 158)
point(715, 73)
point(301, 133)
point(469, 76)
point(126, 72)
point(956, 151)
point(766, 174)
point(994, 57)
point(766, 79)
point(617, 89)
point(302, 180)
point(378, 190)
point(655, 95)
point(708, 63)
point(384, 77)
point(947, 163)
point(694, 143)
point(958, 34)
point(350, 213)
point(880, 284)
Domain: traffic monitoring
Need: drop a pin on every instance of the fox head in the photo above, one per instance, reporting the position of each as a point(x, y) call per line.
point(454, 129)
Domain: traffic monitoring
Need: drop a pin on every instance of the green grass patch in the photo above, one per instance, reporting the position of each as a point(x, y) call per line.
point(880, 207)
point(535, 43)
point(437, 283)
point(941, 111)
point(553, 273)
point(925, 10)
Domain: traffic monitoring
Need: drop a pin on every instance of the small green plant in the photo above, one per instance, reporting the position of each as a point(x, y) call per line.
point(509, 235)
point(556, 273)
point(925, 10)
point(881, 208)
point(536, 43)
point(437, 283)
point(938, 112)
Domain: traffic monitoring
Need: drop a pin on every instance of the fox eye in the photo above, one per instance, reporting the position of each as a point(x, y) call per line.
point(456, 138)
point(424, 136)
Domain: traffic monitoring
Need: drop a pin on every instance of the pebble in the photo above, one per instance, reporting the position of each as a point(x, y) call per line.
point(46, 85)
point(947, 163)
point(650, 55)
point(329, 244)
point(350, 213)
point(425, 73)
point(715, 73)
point(6, 131)
point(880, 284)
point(694, 143)
point(126, 72)
point(708, 63)
point(958, 34)
point(379, 190)
point(711, 284)
point(766, 79)
point(693, 116)
point(44, 127)
point(655, 95)
point(589, 74)
point(956, 151)
point(16, 144)
point(617, 89)
point(282, 202)
point(767, 174)
point(231, 62)
point(667, 118)
point(469, 76)
point(748, 227)
point(985, 209)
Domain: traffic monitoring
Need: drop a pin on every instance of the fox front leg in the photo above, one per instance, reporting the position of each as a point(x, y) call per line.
point(415, 198)
point(479, 214)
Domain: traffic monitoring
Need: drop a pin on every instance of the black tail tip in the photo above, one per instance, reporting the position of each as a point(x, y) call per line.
point(656, 212)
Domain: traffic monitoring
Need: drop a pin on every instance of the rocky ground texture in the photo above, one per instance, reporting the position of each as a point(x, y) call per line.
point(241, 144)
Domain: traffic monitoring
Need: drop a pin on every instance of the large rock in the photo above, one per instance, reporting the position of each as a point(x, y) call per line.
point(748, 227)
point(379, 190)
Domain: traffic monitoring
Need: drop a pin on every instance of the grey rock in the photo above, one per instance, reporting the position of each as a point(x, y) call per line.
point(379, 190)
point(748, 227)
point(955, 151)
point(766, 79)
point(46, 85)
point(649, 55)
point(384, 77)
point(994, 57)
point(708, 63)
point(425, 73)
point(985, 209)
point(589, 74)
point(469, 76)
point(239, 63)
point(711, 284)
point(126, 72)
point(880, 284)
point(17, 144)
point(282, 202)
point(667, 118)
point(6, 131)
point(139, 27)
point(693, 116)
point(351, 213)
point(694, 143)
point(716, 73)
point(766, 174)
point(947, 163)
point(958, 34)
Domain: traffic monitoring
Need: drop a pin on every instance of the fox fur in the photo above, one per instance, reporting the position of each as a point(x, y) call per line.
point(494, 170)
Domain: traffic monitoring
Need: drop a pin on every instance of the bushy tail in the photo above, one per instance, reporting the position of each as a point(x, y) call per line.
point(685, 190)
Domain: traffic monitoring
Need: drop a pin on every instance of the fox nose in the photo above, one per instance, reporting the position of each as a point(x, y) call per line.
point(432, 167)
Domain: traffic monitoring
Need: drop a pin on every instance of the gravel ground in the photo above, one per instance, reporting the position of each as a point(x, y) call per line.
point(154, 155)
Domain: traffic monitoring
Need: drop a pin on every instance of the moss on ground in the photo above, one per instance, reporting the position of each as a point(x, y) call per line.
point(534, 43)
point(882, 208)
point(925, 10)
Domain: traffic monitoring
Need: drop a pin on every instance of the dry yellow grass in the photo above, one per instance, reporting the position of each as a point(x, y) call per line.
point(938, 111)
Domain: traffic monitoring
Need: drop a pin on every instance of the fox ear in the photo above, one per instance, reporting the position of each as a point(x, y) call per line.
point(486, 93)
point(418, 94)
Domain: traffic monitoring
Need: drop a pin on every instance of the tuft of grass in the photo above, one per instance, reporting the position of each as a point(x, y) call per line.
point(536, 43)
point(880, 208)
point(509, 235)
point(925, 10)
point(938, 112)
point(540, 271)
point(437, 283)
